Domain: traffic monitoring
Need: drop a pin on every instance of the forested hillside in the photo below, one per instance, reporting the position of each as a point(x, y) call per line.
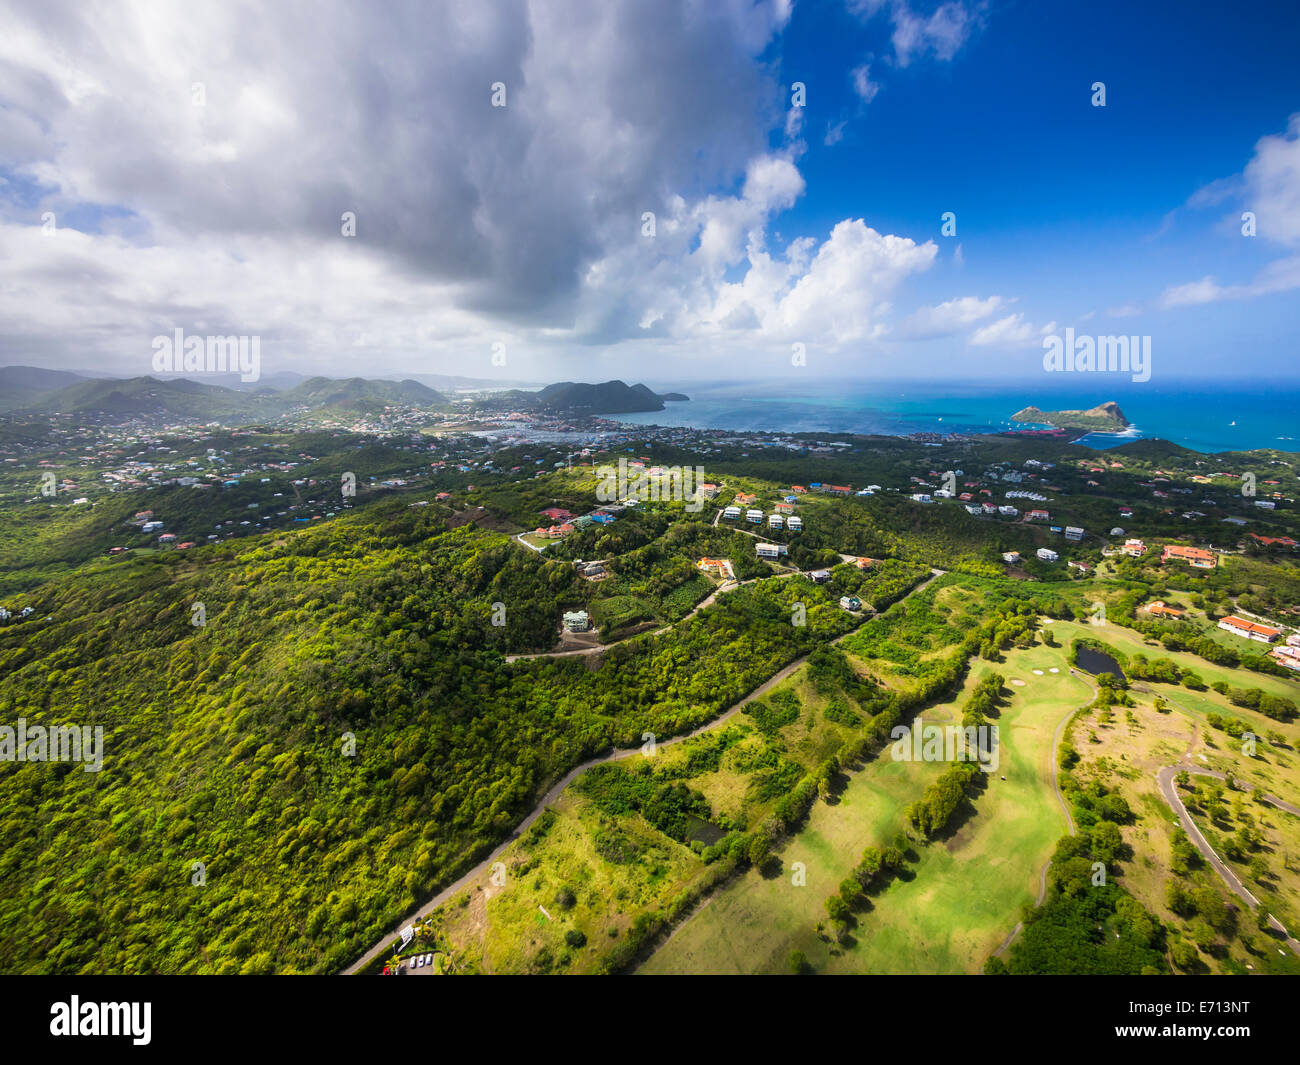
point(226, 743)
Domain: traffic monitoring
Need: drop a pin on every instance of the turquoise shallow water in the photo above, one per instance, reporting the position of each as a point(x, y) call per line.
point(1203, 417)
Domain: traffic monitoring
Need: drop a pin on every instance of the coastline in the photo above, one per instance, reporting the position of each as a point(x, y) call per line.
point(1205, 419)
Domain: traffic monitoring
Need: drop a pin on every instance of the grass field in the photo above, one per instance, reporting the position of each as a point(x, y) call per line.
point(516, 918)
point(957, 898)
point(1126, 749)
point(955, 905)
point(620, 866)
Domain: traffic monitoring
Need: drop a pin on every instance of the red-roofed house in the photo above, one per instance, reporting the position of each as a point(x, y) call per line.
point(1242, 627)
point(1193, 556)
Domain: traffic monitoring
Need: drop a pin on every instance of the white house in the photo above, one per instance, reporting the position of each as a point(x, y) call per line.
point(1048, 555)
point(731, 513)
point(1249, 629)
point(794, 523)
point(1073, 532)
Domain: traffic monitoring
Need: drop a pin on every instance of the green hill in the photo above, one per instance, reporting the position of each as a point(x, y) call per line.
point(358, 392)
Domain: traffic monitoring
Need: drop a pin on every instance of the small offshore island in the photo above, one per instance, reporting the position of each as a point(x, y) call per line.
point(1103, 418)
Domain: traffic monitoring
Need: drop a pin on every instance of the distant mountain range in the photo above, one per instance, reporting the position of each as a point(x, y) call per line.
point(611, 397)
point(20, 385)
point(26, 388)
point(39, 391)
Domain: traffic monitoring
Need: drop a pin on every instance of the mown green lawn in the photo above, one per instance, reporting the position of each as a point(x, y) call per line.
point(956, 904)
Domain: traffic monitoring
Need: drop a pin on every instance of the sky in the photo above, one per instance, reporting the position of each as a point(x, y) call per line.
point(662, 190)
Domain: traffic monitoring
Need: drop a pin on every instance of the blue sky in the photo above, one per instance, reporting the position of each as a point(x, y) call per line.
point(508, 241)
point(1073, 208)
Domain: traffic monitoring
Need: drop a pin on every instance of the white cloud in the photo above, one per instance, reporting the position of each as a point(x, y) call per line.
point(1009, 332)
point(1281, 275)
point(468, 216)
point(474, 223)
point(1269, 186)
point(862, 83)
point(948, 318)
point(1206, 290)
point(1272, 185)
point(941, 34)
point(844, 285)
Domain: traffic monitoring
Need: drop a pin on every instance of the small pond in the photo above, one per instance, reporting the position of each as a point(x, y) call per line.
point(1098, 662)
point(705, 831)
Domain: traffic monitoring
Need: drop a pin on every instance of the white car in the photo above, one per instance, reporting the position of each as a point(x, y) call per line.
point(428, 959)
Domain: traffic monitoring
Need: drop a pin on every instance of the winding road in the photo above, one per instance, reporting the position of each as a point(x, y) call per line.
point(724, 587)
point(1166, 780)
point(612, 755)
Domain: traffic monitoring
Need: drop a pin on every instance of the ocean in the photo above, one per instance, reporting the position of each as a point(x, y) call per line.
point(1204, 416)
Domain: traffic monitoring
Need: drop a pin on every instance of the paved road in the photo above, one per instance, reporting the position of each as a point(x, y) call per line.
point(1165, 780)
point(1281, 804)
point(612, 755)
point(725, 586)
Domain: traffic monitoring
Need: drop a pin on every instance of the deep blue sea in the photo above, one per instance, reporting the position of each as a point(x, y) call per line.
point(1203, 416)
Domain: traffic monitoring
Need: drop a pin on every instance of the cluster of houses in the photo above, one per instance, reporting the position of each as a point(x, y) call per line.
point(564, 522)
point(1197, 557)
point(782, 516)
point(1287, 654)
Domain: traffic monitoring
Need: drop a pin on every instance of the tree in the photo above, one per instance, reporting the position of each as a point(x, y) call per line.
point(1106, 841)
point(1202, 934)
point(1185, 954)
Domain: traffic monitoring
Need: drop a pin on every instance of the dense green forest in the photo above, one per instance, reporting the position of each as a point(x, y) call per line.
point(338, 738)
